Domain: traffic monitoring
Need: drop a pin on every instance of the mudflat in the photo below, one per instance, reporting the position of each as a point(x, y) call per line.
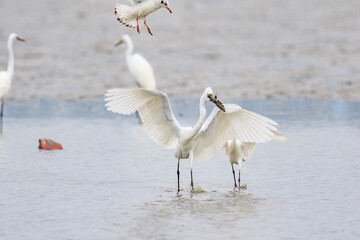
point(242, 49)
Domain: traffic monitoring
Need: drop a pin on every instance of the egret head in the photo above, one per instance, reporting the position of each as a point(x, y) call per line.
point(213, 98)
point(165, 4)
point(125, 38)
point(13, 36)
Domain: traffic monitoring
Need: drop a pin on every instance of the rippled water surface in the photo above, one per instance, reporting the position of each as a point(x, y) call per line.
point(112, 182)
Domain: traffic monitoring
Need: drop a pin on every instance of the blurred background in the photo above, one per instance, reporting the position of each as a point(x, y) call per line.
point(296, 62)
point(256, 49)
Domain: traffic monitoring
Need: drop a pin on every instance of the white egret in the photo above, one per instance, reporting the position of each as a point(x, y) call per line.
point(237, 151)
point(139, 68)
point(7, 76)
point(131, 15)
point(201, 141)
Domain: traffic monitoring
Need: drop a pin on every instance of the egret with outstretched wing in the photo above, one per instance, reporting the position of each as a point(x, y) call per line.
point(199, 142)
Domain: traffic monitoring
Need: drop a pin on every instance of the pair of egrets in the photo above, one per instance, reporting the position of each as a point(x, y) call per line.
point(228, 126)
point(154, 109)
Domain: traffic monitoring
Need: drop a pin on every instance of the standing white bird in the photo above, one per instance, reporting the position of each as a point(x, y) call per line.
point(131, 15)
point(237, 151)
point(201, 141)
point(7, 76)
point(139, 68)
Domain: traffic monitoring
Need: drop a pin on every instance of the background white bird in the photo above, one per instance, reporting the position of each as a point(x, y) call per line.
point(201, 141)
point(6, 76)
point(139, 68)
point(237, 151)
point(131, 15)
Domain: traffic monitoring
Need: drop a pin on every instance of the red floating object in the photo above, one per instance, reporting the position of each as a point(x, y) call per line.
point(48, 144)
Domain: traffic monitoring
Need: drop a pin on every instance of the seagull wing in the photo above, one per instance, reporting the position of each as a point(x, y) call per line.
point(154, 109)
point(135, 2)
point(244, 125)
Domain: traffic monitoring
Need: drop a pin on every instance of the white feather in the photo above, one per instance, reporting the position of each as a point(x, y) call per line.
point(154, 109)
point(244, 125)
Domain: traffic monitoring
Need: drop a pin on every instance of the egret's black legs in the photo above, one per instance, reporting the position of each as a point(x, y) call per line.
point(138, 117)
point(178, 175)
point(239, 179)
point(233, 171)
point(1, 114)
point(191, 158)
point(192, 181)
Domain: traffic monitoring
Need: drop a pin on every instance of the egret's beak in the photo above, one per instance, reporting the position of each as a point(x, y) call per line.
point(20, 39)
point(118, 43)
point(216, 102)
point(169, 10)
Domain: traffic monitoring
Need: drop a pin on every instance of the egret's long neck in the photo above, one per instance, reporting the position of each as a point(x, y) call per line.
point(202, 117)
point(11, 57)
point(130, 47)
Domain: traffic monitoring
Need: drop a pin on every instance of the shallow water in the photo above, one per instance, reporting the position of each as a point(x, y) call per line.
point(112, 182)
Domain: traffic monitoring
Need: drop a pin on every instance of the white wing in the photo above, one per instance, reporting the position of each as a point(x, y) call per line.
point(226, 148)
point(5, 83)
point(236, 122)
point(247, 149)
point(154, 109)
point(135, 2)
point(126, 16)
point(279, 137)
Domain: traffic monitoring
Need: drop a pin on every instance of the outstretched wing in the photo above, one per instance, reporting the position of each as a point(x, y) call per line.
point(235, 122)
point(154, 109)
point(248, 148)
point(279, 137)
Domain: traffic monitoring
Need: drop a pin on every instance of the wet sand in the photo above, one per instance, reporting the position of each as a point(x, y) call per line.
point(243, 49)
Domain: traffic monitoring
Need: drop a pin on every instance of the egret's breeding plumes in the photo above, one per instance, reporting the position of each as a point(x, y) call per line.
point(203, 140)
point(139, 68)
point(238, 151)
point(132, 16)
point(7, 76)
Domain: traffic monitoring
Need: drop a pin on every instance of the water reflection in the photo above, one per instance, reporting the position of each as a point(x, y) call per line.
point(188, 212)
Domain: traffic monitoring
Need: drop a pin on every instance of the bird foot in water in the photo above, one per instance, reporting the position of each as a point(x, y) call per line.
point(244, 187)
point(197, 189)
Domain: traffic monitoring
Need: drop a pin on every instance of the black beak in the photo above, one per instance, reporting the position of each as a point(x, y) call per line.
point(216, 102)
point(118, 43)
point(20, 39)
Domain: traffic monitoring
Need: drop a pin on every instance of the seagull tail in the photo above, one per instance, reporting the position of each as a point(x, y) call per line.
point(122, 12)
